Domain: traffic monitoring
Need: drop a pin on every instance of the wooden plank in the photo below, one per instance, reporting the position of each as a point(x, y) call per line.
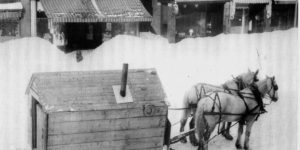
point(106, 125)
point(76, 77)
point(96, 91)
point(104, 114)
point(88, 107)
point(92, 82)
point(69, 96)
point(66, 139)
point(104, 100)
point(142, 143)
point(41, 126)
point(74, 74)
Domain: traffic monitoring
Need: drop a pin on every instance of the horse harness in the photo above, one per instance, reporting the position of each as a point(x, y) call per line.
point(199, 94)
point(255, 93)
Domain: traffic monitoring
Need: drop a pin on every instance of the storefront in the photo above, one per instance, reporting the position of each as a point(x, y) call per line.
point(199, 18)
point(248, 16)
point(10, 15)
point(179, 19)
point(284, 14)
point(85, 24)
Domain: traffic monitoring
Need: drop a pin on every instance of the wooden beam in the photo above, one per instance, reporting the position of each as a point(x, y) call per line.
point(102, 114)
point(106, 125)
point(65, 139)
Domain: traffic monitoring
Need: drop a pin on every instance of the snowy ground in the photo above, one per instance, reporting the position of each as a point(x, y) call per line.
point(212, 60)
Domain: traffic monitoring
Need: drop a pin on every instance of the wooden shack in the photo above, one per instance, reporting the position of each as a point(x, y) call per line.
point(82, 110)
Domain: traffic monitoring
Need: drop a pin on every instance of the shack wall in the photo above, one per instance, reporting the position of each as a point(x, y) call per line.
point(106, 129)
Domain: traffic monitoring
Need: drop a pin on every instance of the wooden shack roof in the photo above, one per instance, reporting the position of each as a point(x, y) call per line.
point(80, 91)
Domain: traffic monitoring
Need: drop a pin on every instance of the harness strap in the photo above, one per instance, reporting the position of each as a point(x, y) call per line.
point(228, 114)
point(243, 98)
point(226, 88)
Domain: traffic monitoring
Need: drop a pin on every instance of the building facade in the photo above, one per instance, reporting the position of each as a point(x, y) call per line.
point(179, 19)
point(13, 19)
point(85, 24)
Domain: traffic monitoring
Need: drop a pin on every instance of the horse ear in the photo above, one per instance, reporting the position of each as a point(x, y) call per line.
point(273, 77)
point(256, 72)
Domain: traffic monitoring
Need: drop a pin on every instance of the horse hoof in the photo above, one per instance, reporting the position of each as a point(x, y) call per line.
point(193, 140)
point(246, 147)
point(238, 146)
point(183, 140)
point(227, 136)
point(195, 143)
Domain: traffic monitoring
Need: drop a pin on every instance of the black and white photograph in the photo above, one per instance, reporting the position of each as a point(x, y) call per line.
point(149, 75)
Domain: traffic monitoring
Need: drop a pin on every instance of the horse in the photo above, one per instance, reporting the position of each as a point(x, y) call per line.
point(224, 107)
point(198, 91)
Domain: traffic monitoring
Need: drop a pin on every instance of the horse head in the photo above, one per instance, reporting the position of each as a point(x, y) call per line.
point(272, 88)
point(268, 87)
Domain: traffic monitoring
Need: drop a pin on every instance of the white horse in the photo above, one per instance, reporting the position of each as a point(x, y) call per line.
point(198, 91)
point(223, 107)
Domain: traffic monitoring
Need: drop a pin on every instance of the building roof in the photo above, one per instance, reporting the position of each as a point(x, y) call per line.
point(286, 1)
point(95, 10)
point(70, 10)
point(79, 91)
point(186, 1)
point(251, 1)
point(122, 11)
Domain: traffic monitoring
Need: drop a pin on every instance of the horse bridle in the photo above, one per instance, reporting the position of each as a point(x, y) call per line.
point(275, 87)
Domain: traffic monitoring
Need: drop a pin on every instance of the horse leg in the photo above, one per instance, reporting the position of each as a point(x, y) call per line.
point(238, 144)
point(192, 137)
point(183, 121)
point(226, 131)
point(247, 135)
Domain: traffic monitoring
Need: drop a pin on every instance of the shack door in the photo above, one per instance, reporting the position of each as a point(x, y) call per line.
point(41, 128)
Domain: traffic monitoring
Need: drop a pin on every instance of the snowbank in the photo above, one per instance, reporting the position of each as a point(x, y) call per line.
point(212, 60)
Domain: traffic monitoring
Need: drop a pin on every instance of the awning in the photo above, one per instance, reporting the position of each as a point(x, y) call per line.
point(285, 1)
point(70, 10)
point(96, 11)
point(187, 1)
point(122, 11)
point(251, 1)
point(11, 11)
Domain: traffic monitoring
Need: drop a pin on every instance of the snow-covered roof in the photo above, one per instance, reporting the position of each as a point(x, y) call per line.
point(251, 1)
point(183, 1)
point(96, 11)
point(286, 1)
point(11, 6)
